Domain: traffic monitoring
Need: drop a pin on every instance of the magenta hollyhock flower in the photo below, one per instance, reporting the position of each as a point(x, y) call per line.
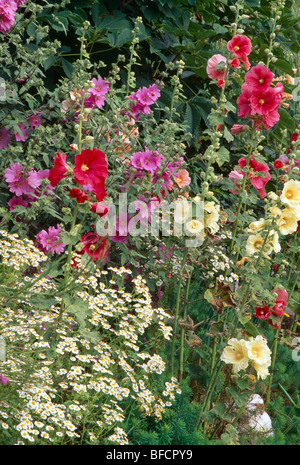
point(3, 379)
point(147, 160)
point(14, 201)
point(244, 102)
point(154, 91)
point(24, 136)
point(13, 173)
point(271, 118)
point(259, 78)
point(237, 128)
point(5, 139)
point(240, 46)
point(50, 240)
point(19, 181)
point(216, 67)
point(34, 120)
point(264, 101)
point(143, 97)
point(7, 14)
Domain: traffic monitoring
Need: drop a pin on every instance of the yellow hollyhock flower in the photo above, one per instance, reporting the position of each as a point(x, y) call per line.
point(291, 194)
point(194, 227)
point(288, 221)
point(256, 225)
point(236, 354)
point(258, 350)
point(211, 216)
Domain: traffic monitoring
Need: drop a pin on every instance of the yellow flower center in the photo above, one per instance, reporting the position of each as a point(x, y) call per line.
point(84, 167)
point(261, 101)
point(261, 81)
point(236, 48)
point(289, 194)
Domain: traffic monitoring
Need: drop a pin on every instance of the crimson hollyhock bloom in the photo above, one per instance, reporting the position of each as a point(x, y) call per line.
point(77, 194)
point(278, 164)
point(257, 182)
point(95, 246)
point(244, 102)
point(262, 312)
point(91, 169)
point(60, 169)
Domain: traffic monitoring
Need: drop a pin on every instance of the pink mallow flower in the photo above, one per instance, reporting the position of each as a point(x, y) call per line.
point(35, 120)
point(258, 182)
point(144, 97)
point(7, 14)
point(216, 67)
point(24, 133)
point(241, 47)
point(182, 178)
point(49, 241)
point(19, 181)
point(259, 78)
point(147, 160)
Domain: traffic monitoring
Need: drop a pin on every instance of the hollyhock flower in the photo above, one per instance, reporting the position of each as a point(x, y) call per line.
point(264, 101)
point(236, 354)
point(234, 63)
point(182, 178)
point(24, 133)
point(90, 167)
point(278, 164)
point(216, 67)
point(255, 242)
point(100, 208)
point(143, 97)
point(211, 216)
point(237, 176)
point(262, 371)
point(244, 102)
point(277, 310)
point(240, 46)
point(95, 246)
point(14, 201)
point(291, 194)
point(77, 194)
point(13, 173)
point(237, 128)
point(282, 296)
point(34, 121)
point(60, 169)
point(121, 228)
point(50, 240)
point(147, 160)
point(3, 380)
point(154, 91)
point(258, 182)
point(259, 78)
point(256, 225)
point(7, 14)
point(5, 139)
point(262, 312)
point(258, 350)
point(288, 221)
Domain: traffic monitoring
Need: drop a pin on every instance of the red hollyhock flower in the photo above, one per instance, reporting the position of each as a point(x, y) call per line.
point(262, 312)
point(91, 169)
point(95, 246)
point(298, 229)
point(259, 78)
point(257, 182)
point(277, 309)
point(100, 209)
point(60, 169)
point(77, 194)
point(244, 102)
point(240, 46)
point(282, 297)
point(278, 164)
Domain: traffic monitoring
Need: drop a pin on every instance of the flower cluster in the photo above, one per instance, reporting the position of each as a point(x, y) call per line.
point(255, 351)
point(50, 240)
point(273, 315)
point(259, 100)
point(142, 99)
point(257, 172)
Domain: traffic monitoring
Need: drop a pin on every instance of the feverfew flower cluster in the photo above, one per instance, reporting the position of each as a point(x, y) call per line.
point(255, 351)
point(54, 359)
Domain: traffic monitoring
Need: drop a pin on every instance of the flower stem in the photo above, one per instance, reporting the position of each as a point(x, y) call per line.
point(182, 329)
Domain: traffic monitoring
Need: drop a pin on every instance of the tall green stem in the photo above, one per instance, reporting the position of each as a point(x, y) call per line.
point(181, 354)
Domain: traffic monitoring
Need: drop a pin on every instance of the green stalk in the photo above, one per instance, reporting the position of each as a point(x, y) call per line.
point(274, 353)
point(181, 354)
point(177, 312)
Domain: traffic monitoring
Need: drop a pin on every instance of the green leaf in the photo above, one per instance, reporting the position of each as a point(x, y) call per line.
point(67, 67)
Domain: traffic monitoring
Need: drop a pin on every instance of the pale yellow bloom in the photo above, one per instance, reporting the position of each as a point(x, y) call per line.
point(275, 211)
point(273, 241)
point(258, 350)
point(261, 370)
point(236, 353)
point(256, 225)
point(291, 194)
point(211, 216)
point(288, 221)
point(255, 242)
point(272, 196)
point(194, 227)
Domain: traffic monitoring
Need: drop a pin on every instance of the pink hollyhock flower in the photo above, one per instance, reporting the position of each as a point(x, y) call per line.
point(7, 14)
point(154, 91)
point(282, 297)
point(244, 102)
point(13, 173)
point(264, 101)
point(237, 176)
point(262, 312)
point(216, 67)
point(271, 118)
point(234, 63)
point(50, 240)
point(182, 178)
point(240, 46)
point(257, 182)
point(5, 139)
point(259, 78)
point(144, 97)
point(24, 136)
point(100, 208)
point(60, 169)
point(147, 160)
point(34, 121)
point(237, 128)
point(20, 182)
point(14, 201)
point(136, 160)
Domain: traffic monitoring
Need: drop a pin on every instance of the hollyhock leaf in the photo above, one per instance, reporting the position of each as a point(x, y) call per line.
point(67, 67)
